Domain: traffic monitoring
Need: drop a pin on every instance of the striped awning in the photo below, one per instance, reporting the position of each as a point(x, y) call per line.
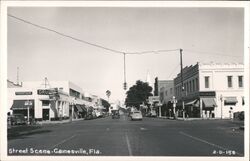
point(83, 107)
point(191, 102)
point(230, 100)
point(22, 104)
point(79, 109)
point(209, 102)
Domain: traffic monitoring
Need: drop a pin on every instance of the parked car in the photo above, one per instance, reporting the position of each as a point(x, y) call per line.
point(153, 113)
point(136, 115)
point(99, 113)
point(115, 114)
point(17, 119)
point(89, 116)
point(241, 115)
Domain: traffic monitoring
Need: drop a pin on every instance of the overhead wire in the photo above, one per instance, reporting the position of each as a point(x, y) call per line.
point(118, 51)
point(173, 71)
point(65, 35)
point(90, 43)
point(152, 51)
point(210, 53)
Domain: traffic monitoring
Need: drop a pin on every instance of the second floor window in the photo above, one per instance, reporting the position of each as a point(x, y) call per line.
point(229, 81)
point(240, 81)
point(206, 81)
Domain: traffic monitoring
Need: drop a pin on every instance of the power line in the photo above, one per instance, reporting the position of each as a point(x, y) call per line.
point(64, 35)
point(173, 70)
point(209, 53)
point(152, 51)
point(89, 43)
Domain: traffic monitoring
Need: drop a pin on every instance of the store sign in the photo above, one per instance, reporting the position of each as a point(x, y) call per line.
point(28, 103)
point(153, 99)
point(208, 93)
point(44, 92)
point(23, 93)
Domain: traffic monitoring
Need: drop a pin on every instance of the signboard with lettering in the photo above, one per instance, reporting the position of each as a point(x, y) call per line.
point(44, 92)
point(153, 99)
point(207, 93)
point(28, 103)
point(23, 93)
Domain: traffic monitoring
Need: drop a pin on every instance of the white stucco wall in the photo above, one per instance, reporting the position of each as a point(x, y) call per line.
point(218, 82)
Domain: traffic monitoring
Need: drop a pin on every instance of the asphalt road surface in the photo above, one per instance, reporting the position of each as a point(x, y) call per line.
point(122, 137)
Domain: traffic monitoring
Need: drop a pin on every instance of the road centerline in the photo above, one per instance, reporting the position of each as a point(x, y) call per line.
point(206, 142)
point(63, 141)
point(128, 145)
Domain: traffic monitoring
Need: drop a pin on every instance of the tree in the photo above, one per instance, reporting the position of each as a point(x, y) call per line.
point(105, 104)
point(138, 93)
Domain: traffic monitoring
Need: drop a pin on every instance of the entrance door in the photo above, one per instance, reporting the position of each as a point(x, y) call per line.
point(45, 114)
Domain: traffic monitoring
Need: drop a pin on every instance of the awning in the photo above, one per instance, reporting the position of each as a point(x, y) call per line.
point(208, 102)
point(22, 104)
point(191, 102)
point(79, 109)
point(83, 107)
point(230, 100)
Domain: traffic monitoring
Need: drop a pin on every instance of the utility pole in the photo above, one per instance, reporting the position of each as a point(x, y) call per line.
point(124, 63)
point(17, 76)
point(182, 87)
point(221, 108)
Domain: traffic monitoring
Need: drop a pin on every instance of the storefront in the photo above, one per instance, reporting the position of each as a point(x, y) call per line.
point(25, 107)
point(201, 105)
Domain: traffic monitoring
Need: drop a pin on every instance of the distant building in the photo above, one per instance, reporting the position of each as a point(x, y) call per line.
point(11, 84)
point(211, 90)
point(165, 90)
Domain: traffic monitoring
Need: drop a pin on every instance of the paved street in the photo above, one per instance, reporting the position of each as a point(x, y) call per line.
point(122, 137)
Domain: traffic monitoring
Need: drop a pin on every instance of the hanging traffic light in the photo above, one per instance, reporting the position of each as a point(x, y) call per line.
point(125, 86)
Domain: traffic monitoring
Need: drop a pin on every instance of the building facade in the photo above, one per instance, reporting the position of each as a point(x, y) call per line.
point(210, 90)
point(55, 101)
point(165, 90)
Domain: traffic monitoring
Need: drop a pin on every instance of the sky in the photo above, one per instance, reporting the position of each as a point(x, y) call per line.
point(205, 35)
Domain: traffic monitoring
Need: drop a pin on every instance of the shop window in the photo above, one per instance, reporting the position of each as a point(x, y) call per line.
point(229, 81)
point(45, 103)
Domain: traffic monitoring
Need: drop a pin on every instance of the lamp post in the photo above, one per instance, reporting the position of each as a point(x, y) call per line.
point(221, 99)
point(28, 103)
point(174, 101)
point(182, 86)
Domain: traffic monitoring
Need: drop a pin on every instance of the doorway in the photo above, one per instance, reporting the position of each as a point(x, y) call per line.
point(45, 114)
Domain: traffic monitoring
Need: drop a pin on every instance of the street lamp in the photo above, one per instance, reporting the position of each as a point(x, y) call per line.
point(28, 103)
point(174, 101)
point(221, 99)
point(182, 86)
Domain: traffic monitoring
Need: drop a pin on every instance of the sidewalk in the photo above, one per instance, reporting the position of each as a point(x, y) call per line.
point(58, 121)
point(237, 122)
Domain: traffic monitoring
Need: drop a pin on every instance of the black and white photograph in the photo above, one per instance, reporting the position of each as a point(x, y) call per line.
point(126, 81)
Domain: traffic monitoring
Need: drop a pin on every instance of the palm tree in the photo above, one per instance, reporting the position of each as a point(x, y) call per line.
point(108, 93)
